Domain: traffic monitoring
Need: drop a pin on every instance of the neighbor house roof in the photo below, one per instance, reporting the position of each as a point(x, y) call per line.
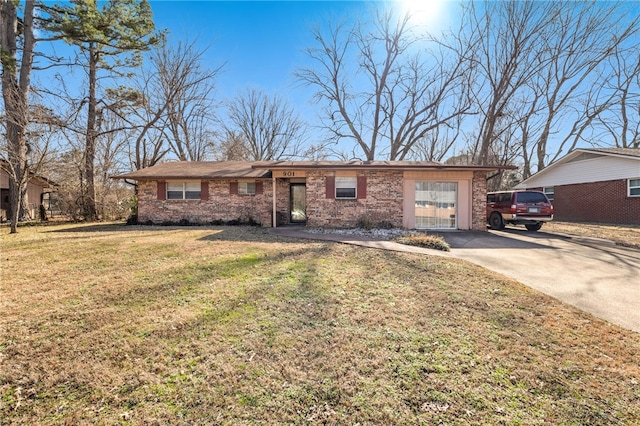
point(587, 165)
point(624, 152)
point(262, 169)
point(34, 179)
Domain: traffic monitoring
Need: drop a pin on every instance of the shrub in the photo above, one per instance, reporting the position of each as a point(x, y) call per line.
point(364, 223)
point(423, 240)
point(368, 223)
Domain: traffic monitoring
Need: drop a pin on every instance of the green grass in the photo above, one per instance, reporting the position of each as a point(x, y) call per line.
point(109, 324)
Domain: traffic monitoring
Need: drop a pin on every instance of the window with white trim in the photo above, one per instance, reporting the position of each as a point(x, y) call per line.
point(549, 192)
point(436, 205)
point(633, 186)
point(183, 190)
point(246, 188)
point(346, 188)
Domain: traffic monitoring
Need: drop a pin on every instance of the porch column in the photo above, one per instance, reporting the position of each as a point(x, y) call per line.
point(273, 179)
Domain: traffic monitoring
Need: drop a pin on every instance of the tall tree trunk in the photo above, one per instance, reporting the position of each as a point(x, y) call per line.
point(89, 210)
point(15, 93)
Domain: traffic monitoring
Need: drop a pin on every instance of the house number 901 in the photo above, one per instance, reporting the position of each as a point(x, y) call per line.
point(288, 174)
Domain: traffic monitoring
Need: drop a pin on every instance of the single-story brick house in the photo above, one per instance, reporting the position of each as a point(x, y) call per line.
point(409, 194)
point(593, 185)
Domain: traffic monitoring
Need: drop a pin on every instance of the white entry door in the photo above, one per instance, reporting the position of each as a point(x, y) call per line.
point(436, 205)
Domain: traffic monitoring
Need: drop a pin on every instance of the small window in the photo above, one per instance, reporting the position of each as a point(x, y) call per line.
point(548, 191)
point(346, 187)
point(634, 187)
point(183, 190)
point(491, 198)
point(246, 188)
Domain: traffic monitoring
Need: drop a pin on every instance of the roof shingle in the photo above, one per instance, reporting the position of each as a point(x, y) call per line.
point(262, 169)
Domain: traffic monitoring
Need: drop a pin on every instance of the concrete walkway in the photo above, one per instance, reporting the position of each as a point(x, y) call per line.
point(591, 274)
point(357, 240)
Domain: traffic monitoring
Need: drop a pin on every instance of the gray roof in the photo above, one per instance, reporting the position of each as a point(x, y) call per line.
point(262, 169)
point(627, 152)
point(351, 164)
point(198, 170)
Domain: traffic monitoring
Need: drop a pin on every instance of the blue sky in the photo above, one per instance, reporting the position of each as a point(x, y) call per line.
point(261, 43)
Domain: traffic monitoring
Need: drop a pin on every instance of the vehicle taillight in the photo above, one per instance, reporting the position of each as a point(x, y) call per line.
point(551, 205)
point(513, 208)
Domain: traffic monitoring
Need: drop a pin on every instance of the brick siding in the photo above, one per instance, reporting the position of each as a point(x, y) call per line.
point(383, 201)
point(221, 205)
point(479, 201)
point(603, 202)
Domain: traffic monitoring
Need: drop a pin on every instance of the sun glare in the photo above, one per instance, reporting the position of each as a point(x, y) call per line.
point(424, 12)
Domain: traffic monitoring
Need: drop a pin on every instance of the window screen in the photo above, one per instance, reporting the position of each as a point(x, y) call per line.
point(346, 187)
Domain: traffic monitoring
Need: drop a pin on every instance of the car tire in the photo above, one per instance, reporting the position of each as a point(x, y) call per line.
point(533, 227)
point(495, 221)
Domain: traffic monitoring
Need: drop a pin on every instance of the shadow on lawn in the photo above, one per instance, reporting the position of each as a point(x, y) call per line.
point(240, 233)
point(184, 280)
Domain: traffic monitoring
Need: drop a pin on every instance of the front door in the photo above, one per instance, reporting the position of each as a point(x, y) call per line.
point(298, 203)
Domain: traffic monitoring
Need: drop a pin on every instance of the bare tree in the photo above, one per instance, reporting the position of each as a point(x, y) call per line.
point(111, 158)
point(507, 39)
point(179, 95)
point(16, 56)
point(231, 146)
point(381, 88)
point(541, 73)
point(176, 109)
point(261, 127)
point(583, 38)
point(621, 123)
point(437, 144)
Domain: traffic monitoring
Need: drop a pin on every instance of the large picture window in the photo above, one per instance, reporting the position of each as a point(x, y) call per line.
point(634, 187)
point(183, 190)
point(435, 206)
point(346, 187)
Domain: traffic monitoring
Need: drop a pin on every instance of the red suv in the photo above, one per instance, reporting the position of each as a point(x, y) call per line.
point(528, 208)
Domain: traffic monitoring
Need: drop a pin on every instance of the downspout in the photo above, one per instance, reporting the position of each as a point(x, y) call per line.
point(273, 192)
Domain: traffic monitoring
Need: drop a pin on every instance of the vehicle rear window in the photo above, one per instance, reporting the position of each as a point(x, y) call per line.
point(531, 197)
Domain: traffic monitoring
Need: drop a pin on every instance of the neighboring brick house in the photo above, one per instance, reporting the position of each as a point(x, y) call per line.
point(593, 185)
point(422, 195)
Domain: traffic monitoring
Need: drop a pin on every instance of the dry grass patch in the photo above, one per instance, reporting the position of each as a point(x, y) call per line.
point(623, 235)
point(423, 240)
point(150, 325)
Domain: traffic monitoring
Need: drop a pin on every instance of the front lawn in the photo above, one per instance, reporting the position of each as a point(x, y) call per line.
point(104, 324)
point(623, 235)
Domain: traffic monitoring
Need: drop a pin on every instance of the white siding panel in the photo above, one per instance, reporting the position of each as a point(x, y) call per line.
point(593, 170)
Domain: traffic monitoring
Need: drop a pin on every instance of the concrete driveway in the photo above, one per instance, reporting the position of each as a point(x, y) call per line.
point(593, 275)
